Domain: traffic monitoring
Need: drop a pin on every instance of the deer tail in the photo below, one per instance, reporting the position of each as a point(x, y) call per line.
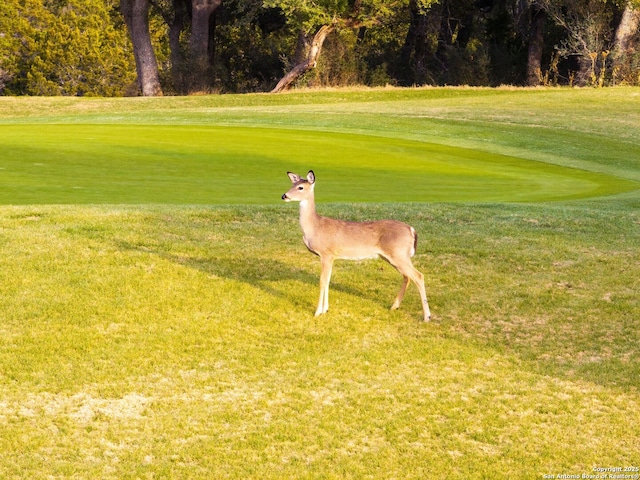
point(415, 241)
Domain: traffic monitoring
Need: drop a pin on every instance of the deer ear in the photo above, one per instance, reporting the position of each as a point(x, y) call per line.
point(293, 177)
point(311, 177)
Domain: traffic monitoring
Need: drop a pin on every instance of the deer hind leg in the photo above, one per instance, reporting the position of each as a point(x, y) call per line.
point(419, 281)
point(325, 278)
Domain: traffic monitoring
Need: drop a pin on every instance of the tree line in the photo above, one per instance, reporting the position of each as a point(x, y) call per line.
point(155, 47)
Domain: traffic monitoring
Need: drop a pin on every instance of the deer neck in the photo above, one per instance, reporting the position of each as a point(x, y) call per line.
point(308, 215)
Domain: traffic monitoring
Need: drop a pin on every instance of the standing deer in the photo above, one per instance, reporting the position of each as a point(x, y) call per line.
point(330, 239)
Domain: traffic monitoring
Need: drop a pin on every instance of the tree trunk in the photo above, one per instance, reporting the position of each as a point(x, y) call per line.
point(302, 48)
point(201, 11)
point(626, 30)
point(415, 43)
point(176, 26)
point(308, 62)
point(136, 15)
point(536, 46)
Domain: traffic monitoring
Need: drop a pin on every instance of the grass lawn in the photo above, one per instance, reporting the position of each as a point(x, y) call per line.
point(156, 300)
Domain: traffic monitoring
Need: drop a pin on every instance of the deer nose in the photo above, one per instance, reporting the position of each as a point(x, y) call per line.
point(284, 196)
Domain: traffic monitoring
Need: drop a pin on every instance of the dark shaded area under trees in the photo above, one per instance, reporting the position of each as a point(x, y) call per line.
point(155, 47)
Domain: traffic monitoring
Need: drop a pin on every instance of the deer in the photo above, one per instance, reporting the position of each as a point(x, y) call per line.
point(332, 239)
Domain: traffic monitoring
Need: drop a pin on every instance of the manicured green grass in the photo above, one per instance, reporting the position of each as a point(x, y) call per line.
point(204, 155)
point(196, 164)
point(177, 341)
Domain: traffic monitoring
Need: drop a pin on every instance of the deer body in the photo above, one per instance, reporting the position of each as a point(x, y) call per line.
point(333, 239)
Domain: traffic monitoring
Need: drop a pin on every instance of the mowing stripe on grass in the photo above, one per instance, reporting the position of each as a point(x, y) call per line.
point(131, 164)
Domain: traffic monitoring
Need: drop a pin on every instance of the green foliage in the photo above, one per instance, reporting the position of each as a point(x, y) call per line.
point(18, 32)
point(65, 48)
point(81, 47)
point(588, 34)
point(308, 15)
point(249, 46)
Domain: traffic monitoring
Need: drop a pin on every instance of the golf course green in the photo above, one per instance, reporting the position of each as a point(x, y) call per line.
point(71, 164)
point(214, 161)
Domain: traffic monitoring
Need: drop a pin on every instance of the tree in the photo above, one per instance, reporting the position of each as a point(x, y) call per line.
point(191, 60)
point(587, 26)
point(249, 41)
point(316, 20)
point(537, 20)
point(626, 37)
point(15, 48)
point(455, 49)
point(71, 47)
point(100, 47)
point(627, 28)
point(309, 59)
point(136, 15)
point(413, 55)
point(202, 10)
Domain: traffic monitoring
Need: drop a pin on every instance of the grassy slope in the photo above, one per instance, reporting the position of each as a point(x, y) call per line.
point(142, 341)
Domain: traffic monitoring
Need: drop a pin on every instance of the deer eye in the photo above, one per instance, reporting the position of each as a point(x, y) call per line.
point(300, 187)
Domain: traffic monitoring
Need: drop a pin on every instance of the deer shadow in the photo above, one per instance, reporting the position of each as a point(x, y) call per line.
point(260, 272)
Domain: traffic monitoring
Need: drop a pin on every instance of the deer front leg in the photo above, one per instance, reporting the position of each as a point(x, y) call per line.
point(325, 278)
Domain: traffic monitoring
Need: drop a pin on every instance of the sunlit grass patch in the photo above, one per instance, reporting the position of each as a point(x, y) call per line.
point(180, 341)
